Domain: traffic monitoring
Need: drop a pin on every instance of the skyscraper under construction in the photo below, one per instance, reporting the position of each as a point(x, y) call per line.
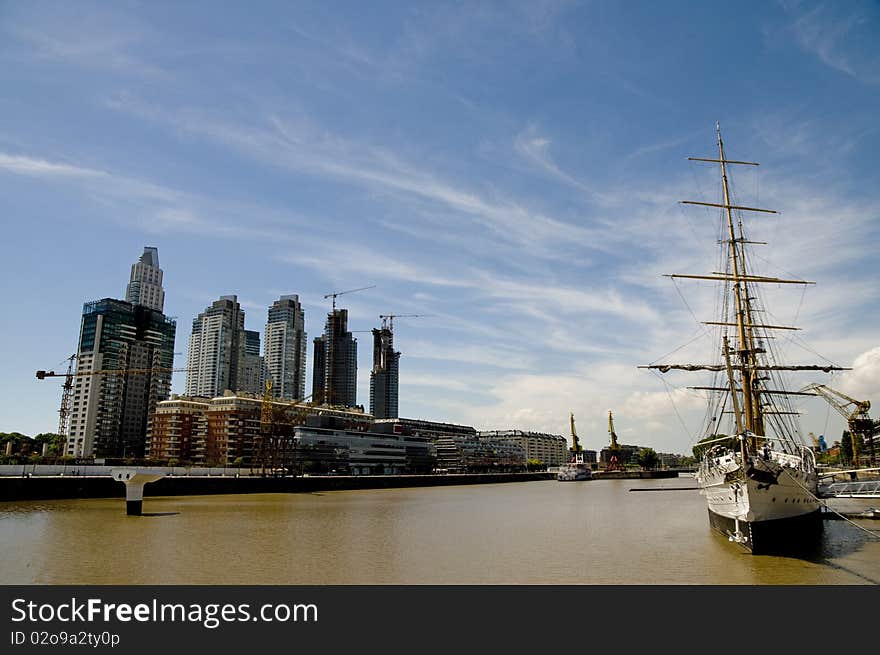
point(334, 372)
point(384, 376)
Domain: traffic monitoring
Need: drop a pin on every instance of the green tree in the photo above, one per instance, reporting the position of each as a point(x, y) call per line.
point(847, 454)
point(55, 441)
point(647, 459)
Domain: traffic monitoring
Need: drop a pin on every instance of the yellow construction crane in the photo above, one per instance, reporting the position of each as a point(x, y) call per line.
point(862, 428)
point(274, 448)
point(67, 388)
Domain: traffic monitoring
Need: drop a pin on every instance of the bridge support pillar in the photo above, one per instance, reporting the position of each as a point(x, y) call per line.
point(134, 480)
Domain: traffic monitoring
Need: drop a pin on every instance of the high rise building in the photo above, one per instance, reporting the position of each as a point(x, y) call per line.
point(110, 411)
point(384, 376)
point(334, 372)
point(217, 348)
point(253, 373)
point(285, 348)
point(145, 286)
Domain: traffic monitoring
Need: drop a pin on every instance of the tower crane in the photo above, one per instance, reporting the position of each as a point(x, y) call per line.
point(861, 426)
point(339, 293)
point(328, 392)
point(67, 388)
point(388, 319)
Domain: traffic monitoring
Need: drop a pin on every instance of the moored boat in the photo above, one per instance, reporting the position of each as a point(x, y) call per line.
point(760, 484)
point(576, 468)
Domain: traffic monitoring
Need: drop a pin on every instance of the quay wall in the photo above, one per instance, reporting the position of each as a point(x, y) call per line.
point(99, 486)
point(634, 475)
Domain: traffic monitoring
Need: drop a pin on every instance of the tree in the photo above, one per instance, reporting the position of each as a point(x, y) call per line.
point(846, 448)
point(647, 458)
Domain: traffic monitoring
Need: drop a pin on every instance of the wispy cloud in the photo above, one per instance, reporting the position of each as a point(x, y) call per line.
point(86, 36)
point(842, 36)
point(308, 150)
point(96, 179)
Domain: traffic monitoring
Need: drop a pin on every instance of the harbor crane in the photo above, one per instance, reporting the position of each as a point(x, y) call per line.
point(67, 387)
point(575, 442)
point(614, 463)
point(339, 293)
point(861, 426)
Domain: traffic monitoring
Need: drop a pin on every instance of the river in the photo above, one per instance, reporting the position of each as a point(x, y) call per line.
point(542, 532)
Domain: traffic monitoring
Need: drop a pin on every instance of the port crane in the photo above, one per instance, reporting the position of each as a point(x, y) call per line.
point(861, 426)
point(614, 463)
point(70, 374)
point(575, 442)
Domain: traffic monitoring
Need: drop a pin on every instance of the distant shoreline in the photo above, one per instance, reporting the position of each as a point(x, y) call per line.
point(80, 485)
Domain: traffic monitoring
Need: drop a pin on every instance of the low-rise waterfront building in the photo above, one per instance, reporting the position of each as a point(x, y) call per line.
point(178, 430)
point(227, 429)
point(549, 449)
point(457, 453)
point(357, 452)
point(420, 427)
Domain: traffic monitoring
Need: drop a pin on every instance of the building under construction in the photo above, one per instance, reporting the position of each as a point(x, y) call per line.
point(384, 378)
point(334, 371)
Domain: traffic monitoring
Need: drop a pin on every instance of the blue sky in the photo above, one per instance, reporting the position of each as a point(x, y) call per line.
point(512, 170)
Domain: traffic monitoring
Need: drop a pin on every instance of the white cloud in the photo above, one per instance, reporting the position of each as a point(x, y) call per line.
point(863, 381)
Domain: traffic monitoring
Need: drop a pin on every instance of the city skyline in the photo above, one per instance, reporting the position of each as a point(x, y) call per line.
point(512, 172)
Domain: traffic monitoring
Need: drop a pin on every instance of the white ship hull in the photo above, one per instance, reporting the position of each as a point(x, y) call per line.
point(767, 506)
point(574, 472)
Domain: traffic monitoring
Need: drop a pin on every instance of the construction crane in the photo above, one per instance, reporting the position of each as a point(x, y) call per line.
point(67, 387)
point(275, 449)
point(339, 293)
point(861, 426)
point(614, 463)
point(388, 319)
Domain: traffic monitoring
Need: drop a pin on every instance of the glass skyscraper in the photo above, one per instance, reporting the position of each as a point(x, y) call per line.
point(110, 410)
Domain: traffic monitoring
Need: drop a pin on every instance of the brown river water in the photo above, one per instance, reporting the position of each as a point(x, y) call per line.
point(542, 532)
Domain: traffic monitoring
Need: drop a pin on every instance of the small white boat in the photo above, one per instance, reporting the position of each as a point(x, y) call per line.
point(574, 470)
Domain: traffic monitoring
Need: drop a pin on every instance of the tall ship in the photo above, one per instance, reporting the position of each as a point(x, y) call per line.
point(758, 476)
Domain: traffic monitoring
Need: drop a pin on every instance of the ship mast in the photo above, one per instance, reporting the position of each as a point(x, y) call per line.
point(754, 420)
point(750, 415)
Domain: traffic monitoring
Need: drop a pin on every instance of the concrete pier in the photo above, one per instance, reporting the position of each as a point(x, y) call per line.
point(134, 481)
